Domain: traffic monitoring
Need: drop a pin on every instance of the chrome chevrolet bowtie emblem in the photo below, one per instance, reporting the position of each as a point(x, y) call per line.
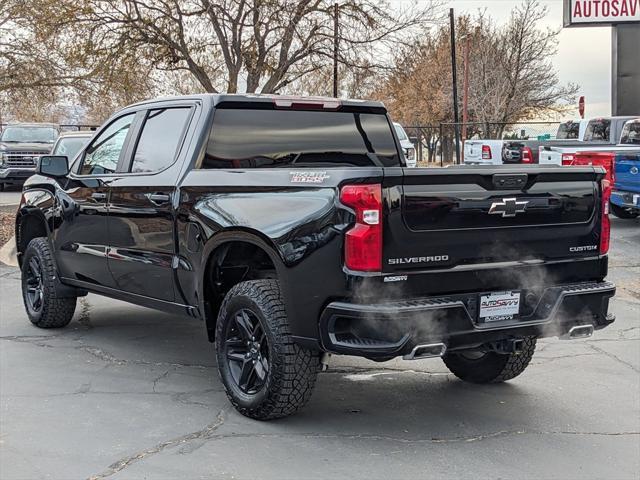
point(508, 207)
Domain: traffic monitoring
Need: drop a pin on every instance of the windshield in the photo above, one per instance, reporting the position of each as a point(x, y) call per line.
point(568, 130)
point(283, 138)
point(22, 134)
point(631, 133)
point(69, 146)
point(598, 130)
point(402, 135)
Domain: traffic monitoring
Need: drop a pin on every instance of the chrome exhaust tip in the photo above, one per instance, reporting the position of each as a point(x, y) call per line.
point(577, 332)
point(430, 350)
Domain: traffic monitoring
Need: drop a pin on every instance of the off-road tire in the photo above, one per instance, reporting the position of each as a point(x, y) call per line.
point(55, 312)
point(623, 212)
point(492, 367)
point(292, 369)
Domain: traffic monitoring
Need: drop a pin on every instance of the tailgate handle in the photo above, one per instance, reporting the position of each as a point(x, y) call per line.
point(510, 181)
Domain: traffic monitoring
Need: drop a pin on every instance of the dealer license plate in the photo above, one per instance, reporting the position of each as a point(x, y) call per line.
point(636, 200)
point(499, 306)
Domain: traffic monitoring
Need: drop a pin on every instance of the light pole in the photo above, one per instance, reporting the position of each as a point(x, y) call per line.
point(465, 92)
point(456, 117)
point(336, 13)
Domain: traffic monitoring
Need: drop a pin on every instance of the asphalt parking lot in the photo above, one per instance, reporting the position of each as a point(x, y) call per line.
point(126, 392)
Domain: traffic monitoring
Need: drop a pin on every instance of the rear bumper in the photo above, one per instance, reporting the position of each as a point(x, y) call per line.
point(625, 199)
point(386, 330)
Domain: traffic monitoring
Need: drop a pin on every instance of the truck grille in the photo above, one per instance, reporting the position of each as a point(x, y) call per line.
point(21, 159)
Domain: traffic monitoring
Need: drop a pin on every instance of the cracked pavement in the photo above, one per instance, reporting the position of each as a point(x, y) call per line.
point(129, 393)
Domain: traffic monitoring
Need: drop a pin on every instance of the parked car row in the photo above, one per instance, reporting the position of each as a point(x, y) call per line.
point(572, 136)
point(22, 144)
point(626, 135)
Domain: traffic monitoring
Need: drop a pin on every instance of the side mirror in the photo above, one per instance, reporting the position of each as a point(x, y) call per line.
point(53, 166)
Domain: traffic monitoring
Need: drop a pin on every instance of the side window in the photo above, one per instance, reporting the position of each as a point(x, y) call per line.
point(104, 152)
point(160, 139)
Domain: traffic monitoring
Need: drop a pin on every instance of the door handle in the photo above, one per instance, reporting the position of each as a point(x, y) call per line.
point(99, 196)
point(158, 198)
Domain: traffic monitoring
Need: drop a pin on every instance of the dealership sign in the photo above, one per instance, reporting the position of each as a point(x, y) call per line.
point(600, 12)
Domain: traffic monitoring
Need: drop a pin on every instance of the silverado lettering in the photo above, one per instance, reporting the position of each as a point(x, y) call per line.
point(406, 260)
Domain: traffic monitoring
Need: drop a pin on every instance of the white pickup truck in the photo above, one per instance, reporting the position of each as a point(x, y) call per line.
point(498, 152)
point(600, 132)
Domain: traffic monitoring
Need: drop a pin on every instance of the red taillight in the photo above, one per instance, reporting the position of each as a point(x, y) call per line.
point(486, 152)
point(363, 243)
point(568, 159)
point(605, 224)
point(527, 155)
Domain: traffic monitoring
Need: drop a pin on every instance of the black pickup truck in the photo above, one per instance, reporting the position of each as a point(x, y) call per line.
point(290, 226)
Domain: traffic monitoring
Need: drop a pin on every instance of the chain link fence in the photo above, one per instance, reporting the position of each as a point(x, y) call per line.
point(435, 144)
point(75, 127)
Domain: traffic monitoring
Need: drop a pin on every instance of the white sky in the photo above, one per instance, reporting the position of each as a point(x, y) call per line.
point(584, 54)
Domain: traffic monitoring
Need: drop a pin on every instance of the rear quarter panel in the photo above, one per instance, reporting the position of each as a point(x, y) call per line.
point(300, 225)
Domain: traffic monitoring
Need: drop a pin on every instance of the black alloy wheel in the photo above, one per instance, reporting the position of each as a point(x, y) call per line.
point(34, 294)
point(265, 373)
point(247, 351)
point(45, 306)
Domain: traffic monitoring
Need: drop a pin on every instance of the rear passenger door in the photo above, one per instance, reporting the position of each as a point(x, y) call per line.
point(142, 254)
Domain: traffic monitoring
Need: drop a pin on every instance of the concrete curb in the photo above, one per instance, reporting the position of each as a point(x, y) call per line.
point(8, 253)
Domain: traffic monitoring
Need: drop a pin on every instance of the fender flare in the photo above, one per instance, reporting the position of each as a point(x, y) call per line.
point(253, 237)
point(25, 212)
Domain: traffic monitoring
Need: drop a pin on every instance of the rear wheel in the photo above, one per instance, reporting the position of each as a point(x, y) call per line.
point(490, 367)
point(623, 212)
point(265, 374)
point(44, 308)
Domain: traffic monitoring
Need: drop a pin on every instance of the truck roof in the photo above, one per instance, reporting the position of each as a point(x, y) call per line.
point(248, 98)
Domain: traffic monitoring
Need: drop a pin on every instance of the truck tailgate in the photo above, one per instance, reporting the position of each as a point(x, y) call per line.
point(462, 216)
point(627, 172)
point(549, 156)
point(473, 151)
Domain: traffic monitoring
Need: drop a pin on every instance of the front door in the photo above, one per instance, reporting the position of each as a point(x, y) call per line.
point(82, 241)
point(142, 250)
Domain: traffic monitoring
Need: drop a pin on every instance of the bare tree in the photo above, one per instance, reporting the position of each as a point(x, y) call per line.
point(47, 70)
point(511, 74)
point(241, 45)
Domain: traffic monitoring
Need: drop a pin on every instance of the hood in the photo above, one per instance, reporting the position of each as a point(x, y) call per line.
point(26, 147)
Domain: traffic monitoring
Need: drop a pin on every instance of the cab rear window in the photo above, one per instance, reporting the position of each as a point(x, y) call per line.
point(246, 138)
point(598, 130)
point(568, 130)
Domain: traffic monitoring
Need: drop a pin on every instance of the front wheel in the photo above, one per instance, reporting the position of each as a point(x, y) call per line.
point(623, 212)
point(44, 307)
point(265, 374)
point(490, 367)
